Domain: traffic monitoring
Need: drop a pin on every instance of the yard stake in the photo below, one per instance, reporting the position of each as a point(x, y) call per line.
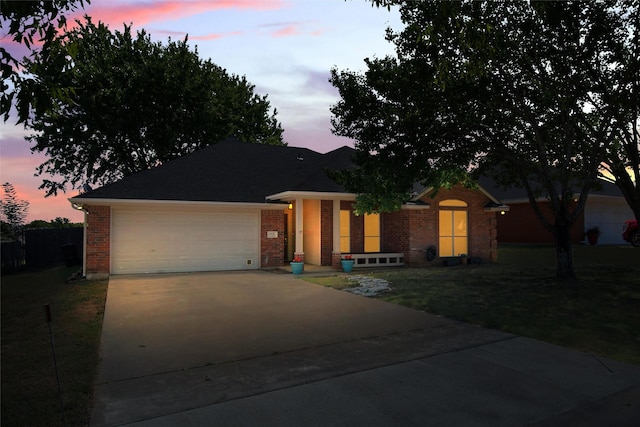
point(47, 311)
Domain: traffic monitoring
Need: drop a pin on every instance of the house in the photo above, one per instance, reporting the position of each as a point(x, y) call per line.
point(606, 208)
point(235, 206)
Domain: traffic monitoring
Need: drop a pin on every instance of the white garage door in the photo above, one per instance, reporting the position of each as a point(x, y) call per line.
point(608, 214)
point(163, 240)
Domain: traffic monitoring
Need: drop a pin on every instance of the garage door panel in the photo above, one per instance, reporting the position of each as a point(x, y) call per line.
point(173, 240)
point(608, 215)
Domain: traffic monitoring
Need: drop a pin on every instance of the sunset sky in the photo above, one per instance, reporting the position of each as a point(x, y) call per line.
point(284, 47)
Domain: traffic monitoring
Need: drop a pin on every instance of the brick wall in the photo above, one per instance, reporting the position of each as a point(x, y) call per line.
point(521, 225)
point(423, 233)
point(98, 241)
point(272, 250)
point(412, 231)
point(482, 225)
point(395, 231)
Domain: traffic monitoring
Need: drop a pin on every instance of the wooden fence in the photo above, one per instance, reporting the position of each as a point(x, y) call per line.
point(12, 256)
point(45, 246)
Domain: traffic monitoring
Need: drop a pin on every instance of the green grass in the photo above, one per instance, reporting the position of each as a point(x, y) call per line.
point(29, 389)
point(599, 313)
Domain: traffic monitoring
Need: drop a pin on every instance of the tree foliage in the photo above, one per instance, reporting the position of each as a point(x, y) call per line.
point(58, 222)
point(524, 91)
point(13, 211)
point(32, 24)
point(622, 164)
point(135, 104)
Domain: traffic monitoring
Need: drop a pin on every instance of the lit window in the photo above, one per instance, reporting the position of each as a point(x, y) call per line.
point(345, 231)
point(453, 203)
point(453, 228)
point(372, 233)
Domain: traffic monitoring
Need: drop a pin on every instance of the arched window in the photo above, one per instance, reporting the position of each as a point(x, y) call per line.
point(453, 228)
point(453, 203)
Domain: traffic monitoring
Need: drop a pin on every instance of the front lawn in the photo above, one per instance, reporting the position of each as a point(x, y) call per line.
point(600, 313)
point(29, 389)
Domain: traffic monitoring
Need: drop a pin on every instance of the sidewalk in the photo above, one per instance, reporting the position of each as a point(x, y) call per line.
point(516, 381)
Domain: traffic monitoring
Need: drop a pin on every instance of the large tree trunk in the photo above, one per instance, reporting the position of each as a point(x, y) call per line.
point(564, 252)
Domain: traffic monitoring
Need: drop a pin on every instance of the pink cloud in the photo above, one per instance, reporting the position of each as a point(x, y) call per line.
point(44, 208)
point(18, 50)
point(18, 166)
point(47, 208)
point(143, 12)
point(216, 36)
point(289, 30)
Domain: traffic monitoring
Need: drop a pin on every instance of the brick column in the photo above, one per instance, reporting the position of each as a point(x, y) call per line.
point(98, 238)
point(272, 248)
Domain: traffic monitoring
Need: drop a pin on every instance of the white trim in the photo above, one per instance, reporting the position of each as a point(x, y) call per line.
point(421, 195)
point(336, 226)
point(299, 236)
point(316, 195)
point(378, 259)
point(520, 200)
point(499, 208)
point(489, 195)
point(79, 201)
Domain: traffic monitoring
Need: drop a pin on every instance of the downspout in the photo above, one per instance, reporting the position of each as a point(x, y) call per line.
point(84, 236)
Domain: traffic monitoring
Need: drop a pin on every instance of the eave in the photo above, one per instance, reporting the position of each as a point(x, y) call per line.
point(496, 207)
point(316, 195)
point(79, 202)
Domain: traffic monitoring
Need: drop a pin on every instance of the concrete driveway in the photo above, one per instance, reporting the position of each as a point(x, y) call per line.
point(259, 348)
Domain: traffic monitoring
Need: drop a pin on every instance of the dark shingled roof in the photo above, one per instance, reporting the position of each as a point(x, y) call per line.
point(232, 171)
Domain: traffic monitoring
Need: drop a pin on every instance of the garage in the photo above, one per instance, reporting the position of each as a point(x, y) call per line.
point(609, 215)
point(172, 239)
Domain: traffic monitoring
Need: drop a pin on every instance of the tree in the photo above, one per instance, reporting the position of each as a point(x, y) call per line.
point(13, 210)
point(58, 222)
point(622, 165)
point(136, 104)
point(31, 24)
point(519, 90)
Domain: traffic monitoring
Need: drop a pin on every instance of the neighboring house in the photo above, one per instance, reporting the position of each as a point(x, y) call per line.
point(605, 208)
point(234, 206)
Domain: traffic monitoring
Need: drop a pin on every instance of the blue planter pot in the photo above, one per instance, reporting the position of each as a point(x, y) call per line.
point(297, 267)
point(347, 265)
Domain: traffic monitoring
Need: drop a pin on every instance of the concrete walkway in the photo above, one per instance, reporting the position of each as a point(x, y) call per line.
point(264, 349)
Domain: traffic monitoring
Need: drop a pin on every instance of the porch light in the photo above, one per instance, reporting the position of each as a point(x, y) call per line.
point(78, 207)
point(290, 206)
